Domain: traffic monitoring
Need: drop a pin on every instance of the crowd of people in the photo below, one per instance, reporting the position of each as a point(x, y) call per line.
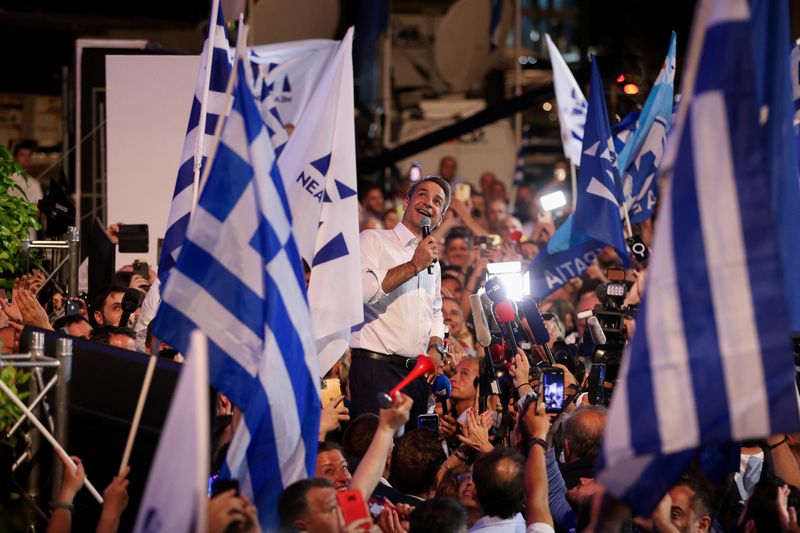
point(489, 460)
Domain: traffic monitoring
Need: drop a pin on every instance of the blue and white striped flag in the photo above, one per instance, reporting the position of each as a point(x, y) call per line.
point(196, 146)
point(642, 154)
point(572, 105)
point(318, 167)
point(711, 359)
point(596, 222)
point(240, 281)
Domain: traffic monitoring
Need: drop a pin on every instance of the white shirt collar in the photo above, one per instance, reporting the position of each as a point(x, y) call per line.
point(404, 234)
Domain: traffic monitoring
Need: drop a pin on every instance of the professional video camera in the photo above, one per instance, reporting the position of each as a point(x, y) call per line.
point(610, 314)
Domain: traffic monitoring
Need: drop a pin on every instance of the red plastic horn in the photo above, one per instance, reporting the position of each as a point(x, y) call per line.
point(423, 366)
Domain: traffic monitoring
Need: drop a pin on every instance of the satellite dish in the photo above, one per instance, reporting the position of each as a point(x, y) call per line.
point(461, 52)
point(277, 21)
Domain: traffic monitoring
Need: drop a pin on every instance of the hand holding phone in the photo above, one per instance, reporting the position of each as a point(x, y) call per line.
point(430, 421)
point(353, 508)
point(553, 390)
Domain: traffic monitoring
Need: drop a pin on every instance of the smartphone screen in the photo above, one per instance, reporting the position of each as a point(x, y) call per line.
point(353, 508)
point(221, 485)
point(429, 422)
point(553, 384)
point(597, 378)
point(463, 192)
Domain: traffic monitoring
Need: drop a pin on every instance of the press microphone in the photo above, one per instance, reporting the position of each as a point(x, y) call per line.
point(441, 390)
point(596, 331)
point(425, 226)
point(131, 301)
point(495, 290)
point(423, 366)
point(539, 331)
point(482, 333)
point(505, 315)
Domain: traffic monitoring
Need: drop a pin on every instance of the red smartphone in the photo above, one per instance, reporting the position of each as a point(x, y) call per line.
point(351, 502)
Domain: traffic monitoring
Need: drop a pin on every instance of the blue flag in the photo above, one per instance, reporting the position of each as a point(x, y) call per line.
point(641, 156)
point(240, 281)
point(710, 362)
point(623, 130)
point(773, 86)
point(195, 148)
point(596, 222)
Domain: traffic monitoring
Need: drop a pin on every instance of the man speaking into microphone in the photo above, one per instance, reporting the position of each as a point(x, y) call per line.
point(401, 280)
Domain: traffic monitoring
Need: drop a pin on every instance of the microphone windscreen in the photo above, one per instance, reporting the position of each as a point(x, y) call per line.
point(597, 333)
point(515, 236)
point(441, 387)
point(535, 321)
point(495, 289)
point(504, 312)
point(482, 333)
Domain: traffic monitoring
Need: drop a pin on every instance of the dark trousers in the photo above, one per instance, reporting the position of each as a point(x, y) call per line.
point(368, 377)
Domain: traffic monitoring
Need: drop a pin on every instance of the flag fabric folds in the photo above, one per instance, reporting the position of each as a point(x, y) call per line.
point(643, 151)
point(175, 498)
point(596, 222)
point(711, 359)
point(318, 168)
point(202, 122)
point(572, 105)
point(239, 279)
point(773, 86)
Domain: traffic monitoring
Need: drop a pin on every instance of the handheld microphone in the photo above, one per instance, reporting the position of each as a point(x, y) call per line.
point(423, 366)
point(131, 301)
point(539, 331)
point(495, 290)
point(482, 333)
point(441, 390)
point(596, 331)
point(425, 226)
point(505, 315)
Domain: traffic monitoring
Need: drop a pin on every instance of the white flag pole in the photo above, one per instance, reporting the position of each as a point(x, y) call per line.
point(137, 416)
point(50, 438)
point(574, 178)
point(201, 127)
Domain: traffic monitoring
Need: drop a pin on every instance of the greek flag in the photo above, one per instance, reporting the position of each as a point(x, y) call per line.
point(572, 105)
point(774, 89)
point(711, 359)
point(318, 168)
point(176, 496)
point(642, 153)
point(285, 76)
point(596, 222)
point(239, 280)
point(207, 106)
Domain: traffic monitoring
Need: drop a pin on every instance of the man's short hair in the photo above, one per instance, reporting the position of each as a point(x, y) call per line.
point(440, 515)
point(328, 446)
point(499, 482)
point(359, 434)
point(584, 439)
point(23, 145)
point(702, 501)
point(103, 334)
point(100, 298)
point(416, 459)
point(441, 182)
point(292, 503)
point(66, 321)
point(459, 232)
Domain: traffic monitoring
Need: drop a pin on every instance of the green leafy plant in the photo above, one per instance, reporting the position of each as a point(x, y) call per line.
point(17, 216)
point(9, 412)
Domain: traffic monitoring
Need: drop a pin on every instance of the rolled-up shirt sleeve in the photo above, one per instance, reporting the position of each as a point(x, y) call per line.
point(372, 274)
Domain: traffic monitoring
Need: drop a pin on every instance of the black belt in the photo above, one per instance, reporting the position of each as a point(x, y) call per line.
point(406, 363)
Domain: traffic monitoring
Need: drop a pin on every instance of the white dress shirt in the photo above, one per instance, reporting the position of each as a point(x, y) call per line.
point(515, 524)
point(403, 321)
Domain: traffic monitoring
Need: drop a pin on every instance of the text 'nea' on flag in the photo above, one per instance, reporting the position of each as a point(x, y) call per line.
point(318, 168)
point(711, 359)
point(200, 118)
point(596, 222)
point(175, 498)
point(240, 281)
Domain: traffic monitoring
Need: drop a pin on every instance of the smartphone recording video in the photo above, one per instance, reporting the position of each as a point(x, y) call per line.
point(553, 390)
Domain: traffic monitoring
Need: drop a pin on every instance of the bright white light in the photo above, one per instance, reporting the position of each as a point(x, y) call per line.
point(516, 282)
point(554, 200)
point(547, 106)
